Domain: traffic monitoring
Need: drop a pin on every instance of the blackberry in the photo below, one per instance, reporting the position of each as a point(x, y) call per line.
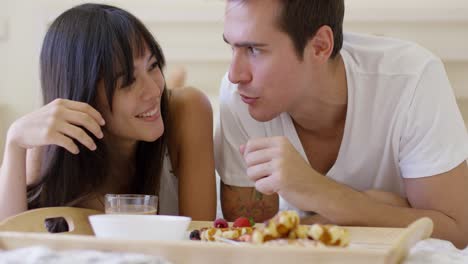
point(195, 235)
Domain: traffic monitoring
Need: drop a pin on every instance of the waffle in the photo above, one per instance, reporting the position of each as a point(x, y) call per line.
point(284, 228)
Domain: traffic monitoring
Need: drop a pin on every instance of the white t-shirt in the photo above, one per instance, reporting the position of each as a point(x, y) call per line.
point(402, 120)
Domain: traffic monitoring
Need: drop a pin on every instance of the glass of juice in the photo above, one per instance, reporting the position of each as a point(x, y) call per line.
point(131, 204)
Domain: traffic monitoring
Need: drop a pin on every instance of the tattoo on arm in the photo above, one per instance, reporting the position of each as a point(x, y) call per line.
point(247, 202)
point(258, 195)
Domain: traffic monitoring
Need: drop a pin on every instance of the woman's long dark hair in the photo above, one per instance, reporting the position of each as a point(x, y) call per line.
point(84, 45)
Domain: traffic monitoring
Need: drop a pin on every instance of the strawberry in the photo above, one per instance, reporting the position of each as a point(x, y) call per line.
point(242, 222)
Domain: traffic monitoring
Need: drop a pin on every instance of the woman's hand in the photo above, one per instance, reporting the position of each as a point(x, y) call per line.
point(58, 123)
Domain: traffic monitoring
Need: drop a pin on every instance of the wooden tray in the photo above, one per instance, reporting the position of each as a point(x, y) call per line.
point(368, 245)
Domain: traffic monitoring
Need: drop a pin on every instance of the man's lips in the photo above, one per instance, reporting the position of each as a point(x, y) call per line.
point(248, 100)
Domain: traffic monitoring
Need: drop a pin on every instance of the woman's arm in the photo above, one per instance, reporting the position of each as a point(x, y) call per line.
point(13, 180)
point(191, 149)
point(56, 123)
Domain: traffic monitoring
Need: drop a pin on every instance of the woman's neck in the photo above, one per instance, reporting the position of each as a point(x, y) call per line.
point(121, 155)
point(119, 150)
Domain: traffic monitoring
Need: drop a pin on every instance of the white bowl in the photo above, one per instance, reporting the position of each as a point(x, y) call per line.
point(140, 227)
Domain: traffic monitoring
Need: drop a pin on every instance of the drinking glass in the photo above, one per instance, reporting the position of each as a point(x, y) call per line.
point(131, 204)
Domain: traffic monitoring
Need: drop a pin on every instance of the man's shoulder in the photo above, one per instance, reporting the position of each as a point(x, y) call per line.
point(386, 55)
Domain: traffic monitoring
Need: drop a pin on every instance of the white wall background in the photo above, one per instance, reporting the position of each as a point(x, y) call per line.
point(190, 32)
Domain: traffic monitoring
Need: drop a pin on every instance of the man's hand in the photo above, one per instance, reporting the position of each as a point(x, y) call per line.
point(276, 167)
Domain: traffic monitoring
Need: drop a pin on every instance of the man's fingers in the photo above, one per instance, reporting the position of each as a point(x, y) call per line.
point(242, 149)
point(257, 144)
point(259, 171)
point(259, 156)
point(263, 143)
point(266, 186)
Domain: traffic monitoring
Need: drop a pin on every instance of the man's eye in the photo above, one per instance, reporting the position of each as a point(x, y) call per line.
point(253, 50)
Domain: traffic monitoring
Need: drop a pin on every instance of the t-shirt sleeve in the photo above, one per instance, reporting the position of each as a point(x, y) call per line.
point(434, 139)
point(229, 135)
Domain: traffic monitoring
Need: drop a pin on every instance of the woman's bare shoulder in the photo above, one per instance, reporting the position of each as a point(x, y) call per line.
point(185, 100)
point(187, 106)
point(190, 114)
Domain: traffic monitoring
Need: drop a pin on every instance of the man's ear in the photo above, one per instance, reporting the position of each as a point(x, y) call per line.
point(320, 47)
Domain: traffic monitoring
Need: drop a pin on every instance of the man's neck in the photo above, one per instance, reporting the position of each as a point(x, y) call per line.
point(323, 110)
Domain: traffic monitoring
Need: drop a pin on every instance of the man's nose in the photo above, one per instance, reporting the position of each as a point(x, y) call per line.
point(239, 71)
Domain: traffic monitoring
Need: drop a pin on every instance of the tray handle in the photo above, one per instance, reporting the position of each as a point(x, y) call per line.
point(418, 230)
point(34, 220)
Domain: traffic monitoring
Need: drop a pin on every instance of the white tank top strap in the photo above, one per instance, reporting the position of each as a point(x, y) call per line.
point(169, 189)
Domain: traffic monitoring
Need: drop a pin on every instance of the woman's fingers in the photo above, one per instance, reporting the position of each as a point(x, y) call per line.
point(79, 134)
point(84, 120)
point(72, 119)
point(82, 107)
point(66, 143)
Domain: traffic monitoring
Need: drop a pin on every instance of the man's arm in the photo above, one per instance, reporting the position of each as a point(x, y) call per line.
point(276, 167)
point(443, 198)
point(247, 202)
point(380, 196)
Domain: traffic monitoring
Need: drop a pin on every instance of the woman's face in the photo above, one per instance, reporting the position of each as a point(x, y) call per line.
point(136, 109)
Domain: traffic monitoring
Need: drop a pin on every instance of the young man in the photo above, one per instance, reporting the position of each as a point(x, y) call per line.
point(358, 129)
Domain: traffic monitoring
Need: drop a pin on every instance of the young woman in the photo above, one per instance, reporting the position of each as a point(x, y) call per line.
point(108, 124)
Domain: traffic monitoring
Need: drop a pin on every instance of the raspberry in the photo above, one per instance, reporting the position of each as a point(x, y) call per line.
point(242, 222)
point(220, 223)
point(195, 235)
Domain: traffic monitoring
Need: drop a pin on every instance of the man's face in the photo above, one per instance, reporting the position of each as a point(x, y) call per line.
point(265, 66)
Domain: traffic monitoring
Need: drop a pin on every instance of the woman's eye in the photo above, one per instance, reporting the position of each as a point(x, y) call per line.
point(154, 65)
point(129, 84)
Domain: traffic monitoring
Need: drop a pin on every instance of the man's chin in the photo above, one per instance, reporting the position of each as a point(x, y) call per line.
point(261, 117)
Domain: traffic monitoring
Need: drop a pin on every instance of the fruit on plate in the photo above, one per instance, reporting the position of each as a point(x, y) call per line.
point(241, 230)
point(243, 222)
point(195, 235)
point(220, 223)
point(233, 233)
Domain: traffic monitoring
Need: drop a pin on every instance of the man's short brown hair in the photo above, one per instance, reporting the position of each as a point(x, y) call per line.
point(301, 19)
